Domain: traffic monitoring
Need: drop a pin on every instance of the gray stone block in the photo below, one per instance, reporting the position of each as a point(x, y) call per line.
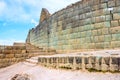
point(111, 3)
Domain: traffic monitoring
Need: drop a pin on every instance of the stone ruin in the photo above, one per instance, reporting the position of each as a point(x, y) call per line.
point(18, 52)
point(88, 25)
point(108, 62)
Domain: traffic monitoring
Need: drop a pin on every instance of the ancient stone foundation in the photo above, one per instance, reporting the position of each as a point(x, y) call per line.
point(13, 54)
point(10, 55)
point(83, 61)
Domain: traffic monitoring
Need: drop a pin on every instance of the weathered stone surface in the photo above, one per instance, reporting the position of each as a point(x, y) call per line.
point(111, 3)
point(116, 16)
point(115, 30)
point(44, 14)
point(114, 23)
point(105, 62)
point(117, 2)
point(21, 77)
point(13, 54)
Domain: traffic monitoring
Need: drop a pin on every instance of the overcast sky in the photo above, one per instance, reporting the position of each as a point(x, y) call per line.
point(18, 16)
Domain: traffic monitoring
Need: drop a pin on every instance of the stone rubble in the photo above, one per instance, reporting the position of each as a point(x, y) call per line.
point(21, 77)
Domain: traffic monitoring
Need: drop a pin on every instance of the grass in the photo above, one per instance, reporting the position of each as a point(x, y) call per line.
point(115, 71)
point(65, 67)
point(95, 70)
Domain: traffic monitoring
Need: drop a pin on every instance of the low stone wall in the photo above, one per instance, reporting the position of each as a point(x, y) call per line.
point(12, 54)
point(84, 62)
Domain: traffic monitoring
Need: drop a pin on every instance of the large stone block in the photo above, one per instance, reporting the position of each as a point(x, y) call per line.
point(9, 55)
point(100, 19)
point(107, 45)
point(115, 44)
point(98, 13)
point(2, 56)
point(105, 63)
point(114, 23)
point(88, 21)
point(89, 15)
point(117, 2)
point(98, 63)
point(115, 37)
point(0, 51)
point(105, 31)
point(91, 45)
point(99, 45)
point(88, 33)
point(98, 26)
point(107, 24)
point(101, 38)
point(94, 32)
point(114, 64)
point(88, 39)
point(96, 2)
point(18, 55)
point(115, 30)
point(93, 20)
point(111, 3)
point(96, 39)
point(116, 16)
point(83, 34)
point(116, 9)
point(99, 31)
point(103, 5)
point(105, 11)
point(95, 7)
point(7, 52)
point(9, 48)
point(108, 17)
point(107, 38)
point(91, 26)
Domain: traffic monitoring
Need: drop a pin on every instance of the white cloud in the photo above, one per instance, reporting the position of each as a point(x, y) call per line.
point(34, 22)
point(13, 11)
point(2, 7)
point(55, 5)
point(9, 42)
point(25, 10)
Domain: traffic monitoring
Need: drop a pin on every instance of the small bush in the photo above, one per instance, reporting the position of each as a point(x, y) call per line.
point(65, 67)
point(93, 70)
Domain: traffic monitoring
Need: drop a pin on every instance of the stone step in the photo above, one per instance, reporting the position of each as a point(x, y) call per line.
point(33, 60)
point(29, 64)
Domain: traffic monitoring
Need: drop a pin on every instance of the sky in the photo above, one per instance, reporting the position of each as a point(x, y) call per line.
point(18, 16)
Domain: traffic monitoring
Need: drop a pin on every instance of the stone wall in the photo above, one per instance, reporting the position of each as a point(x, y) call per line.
point(10, 55)
point(84, 26)
point(81, 61)
point(13, 54)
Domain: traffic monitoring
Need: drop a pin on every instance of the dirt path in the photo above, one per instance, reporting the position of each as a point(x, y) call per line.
point(40, 73)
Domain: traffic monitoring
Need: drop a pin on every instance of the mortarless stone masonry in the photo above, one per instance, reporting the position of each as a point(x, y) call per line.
point(18, 52)
point(84, 26)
